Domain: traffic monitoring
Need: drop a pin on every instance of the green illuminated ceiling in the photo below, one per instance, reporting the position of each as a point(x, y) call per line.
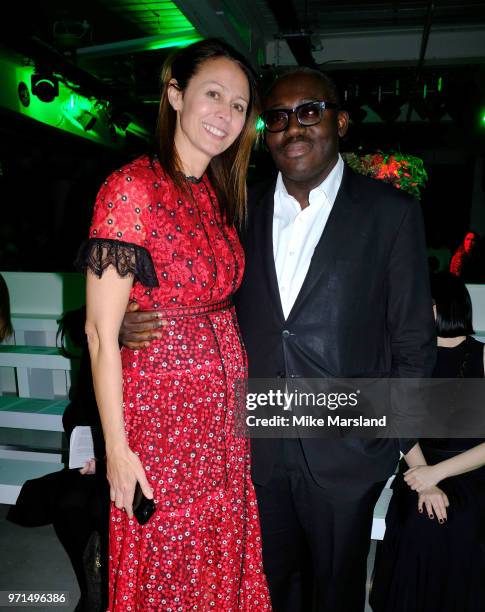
point(159, 18)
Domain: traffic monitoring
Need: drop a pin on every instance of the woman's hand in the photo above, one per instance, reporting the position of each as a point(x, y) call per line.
point(423, 477)
point(436, 501)
point(124, 469)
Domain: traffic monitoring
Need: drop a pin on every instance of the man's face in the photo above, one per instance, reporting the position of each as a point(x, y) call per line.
point(304, 154)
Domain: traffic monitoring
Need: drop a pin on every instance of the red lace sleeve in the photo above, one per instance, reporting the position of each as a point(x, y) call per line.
point(119, 230)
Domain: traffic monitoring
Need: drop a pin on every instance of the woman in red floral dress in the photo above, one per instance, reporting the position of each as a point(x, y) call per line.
point(167, 240)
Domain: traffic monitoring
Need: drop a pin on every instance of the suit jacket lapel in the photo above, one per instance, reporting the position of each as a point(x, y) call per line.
point(333, 233)
point(265, 227)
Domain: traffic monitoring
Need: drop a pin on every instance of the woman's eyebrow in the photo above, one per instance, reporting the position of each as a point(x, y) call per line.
point(212, 82)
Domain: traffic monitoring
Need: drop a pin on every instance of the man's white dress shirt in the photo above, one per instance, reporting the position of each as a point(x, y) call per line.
point(296, 232)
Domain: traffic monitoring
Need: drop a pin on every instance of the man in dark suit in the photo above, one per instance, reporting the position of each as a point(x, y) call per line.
point(342, 292)
point(335, 285)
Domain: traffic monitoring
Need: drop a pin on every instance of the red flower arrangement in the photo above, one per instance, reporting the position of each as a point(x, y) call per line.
point(404, 172)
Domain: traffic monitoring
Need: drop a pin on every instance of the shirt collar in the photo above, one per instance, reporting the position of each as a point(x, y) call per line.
point(328, 187)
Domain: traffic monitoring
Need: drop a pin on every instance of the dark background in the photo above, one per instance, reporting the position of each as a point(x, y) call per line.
point(49, 178)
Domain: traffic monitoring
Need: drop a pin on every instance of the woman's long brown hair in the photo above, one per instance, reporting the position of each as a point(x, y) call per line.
point(227, 171)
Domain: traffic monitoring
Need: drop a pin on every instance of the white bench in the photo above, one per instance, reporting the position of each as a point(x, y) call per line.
point(380, 511)
point(25, 360)
point(477, 294)
point(29, 328)
point(39, 357)
point(35, 322)
point(14, 472)
point(29, 413)
point(31, 438)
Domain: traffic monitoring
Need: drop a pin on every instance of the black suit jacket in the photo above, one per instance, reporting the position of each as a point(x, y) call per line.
point(364, 310)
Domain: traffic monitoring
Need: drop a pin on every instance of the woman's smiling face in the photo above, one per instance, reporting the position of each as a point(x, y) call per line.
point(211, 111)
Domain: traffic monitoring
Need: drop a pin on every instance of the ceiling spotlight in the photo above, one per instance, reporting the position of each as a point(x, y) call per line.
point(45, 86)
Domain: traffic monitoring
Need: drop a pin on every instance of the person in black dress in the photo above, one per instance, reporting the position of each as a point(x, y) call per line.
point(75, 502)
point(432, 558)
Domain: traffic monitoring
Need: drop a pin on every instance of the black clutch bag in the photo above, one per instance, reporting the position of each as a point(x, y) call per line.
point(143, 508)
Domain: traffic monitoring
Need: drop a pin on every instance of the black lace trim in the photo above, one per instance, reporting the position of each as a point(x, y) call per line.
point(128, 258)
point(192, 179)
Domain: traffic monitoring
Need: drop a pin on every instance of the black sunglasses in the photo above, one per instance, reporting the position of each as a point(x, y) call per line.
point(309, 113)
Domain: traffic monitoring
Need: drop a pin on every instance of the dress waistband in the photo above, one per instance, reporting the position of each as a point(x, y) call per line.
point(190, 311)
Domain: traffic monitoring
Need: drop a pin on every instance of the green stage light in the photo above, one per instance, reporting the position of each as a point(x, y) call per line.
point(162, 25)
point(259, 125)
point(138, 130)
point(77, 104)
point(173, 41)
point(44, 86)
point(79, 111)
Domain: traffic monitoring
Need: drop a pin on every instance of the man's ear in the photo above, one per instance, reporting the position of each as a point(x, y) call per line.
point(175, 95)
point(343, 123)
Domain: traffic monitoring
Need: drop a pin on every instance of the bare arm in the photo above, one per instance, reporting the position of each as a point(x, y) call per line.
point(423, 476)
point(107, 298)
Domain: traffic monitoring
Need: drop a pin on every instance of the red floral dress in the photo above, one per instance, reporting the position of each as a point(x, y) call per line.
point(201, 550)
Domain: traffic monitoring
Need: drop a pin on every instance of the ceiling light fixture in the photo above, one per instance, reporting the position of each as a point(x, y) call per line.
point(45, 86)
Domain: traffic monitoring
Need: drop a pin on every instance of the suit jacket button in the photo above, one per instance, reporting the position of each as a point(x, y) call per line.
point(285, 333)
